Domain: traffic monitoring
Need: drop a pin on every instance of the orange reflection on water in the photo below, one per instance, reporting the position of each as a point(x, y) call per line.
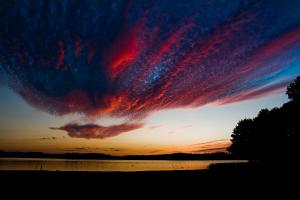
point(104, 165)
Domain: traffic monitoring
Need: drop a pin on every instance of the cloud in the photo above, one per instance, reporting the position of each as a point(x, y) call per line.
point(180, 129)
point(90, 131)
point(259, 92)
point(203, 147)
point(114, 149)
point(206, 147)
point(143, 58)
point(154, 127)
point(48, 138)
point(211, 150)
point(77, 149)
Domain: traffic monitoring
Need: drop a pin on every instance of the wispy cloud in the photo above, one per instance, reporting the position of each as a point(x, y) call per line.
point(180, 129)
point(202, 147)
point(77, 149)
point(209, 145)
point(48, 138)
point(154, 127)
point(258, 92)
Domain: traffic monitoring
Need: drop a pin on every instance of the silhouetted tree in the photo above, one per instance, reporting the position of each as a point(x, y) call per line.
point(272, 134)
point(293, 90)
point(241, 138)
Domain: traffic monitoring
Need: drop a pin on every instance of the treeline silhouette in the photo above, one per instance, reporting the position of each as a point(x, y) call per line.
point(272, 134)
point(174, 156)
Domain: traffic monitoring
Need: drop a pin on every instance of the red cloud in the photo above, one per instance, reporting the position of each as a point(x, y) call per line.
point(95, 131)
point(142, 61)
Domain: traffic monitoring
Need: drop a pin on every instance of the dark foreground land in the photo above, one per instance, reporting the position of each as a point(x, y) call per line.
point(252, 175)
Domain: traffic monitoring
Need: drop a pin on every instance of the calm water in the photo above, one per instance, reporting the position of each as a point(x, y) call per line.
point(104, 165)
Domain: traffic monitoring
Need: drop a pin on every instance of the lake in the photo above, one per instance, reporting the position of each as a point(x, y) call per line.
point(33, 164)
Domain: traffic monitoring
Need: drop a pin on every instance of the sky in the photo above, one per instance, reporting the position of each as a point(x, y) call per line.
point(141, 77)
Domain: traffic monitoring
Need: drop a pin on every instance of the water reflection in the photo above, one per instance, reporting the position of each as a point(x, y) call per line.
point(104, 165)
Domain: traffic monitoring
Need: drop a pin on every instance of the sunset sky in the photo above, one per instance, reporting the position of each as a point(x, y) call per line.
point(141, 77)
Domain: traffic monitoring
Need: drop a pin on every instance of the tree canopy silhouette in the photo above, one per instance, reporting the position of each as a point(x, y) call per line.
point(272, 134)
point(293, 90)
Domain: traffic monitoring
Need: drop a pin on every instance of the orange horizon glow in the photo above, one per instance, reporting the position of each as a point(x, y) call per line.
point(49, 145)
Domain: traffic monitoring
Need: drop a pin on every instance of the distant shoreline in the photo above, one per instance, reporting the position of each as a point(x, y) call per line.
point(98, 156)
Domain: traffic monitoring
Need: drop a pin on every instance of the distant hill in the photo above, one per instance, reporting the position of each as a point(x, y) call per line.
point(175, 156)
